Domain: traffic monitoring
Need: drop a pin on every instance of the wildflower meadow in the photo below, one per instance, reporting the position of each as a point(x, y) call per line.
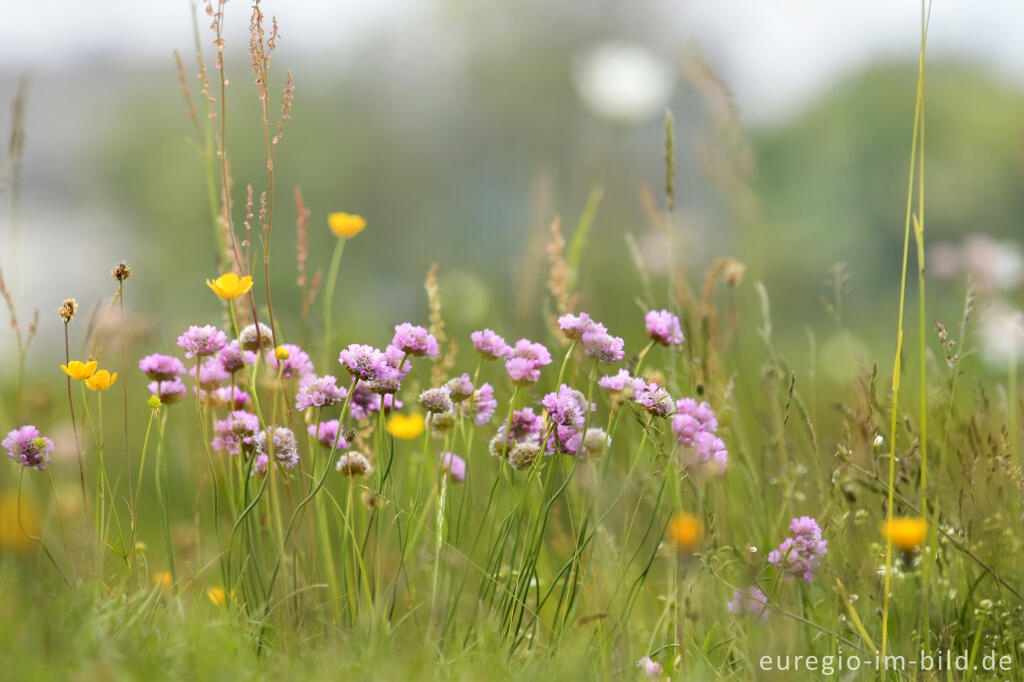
point(654, 490)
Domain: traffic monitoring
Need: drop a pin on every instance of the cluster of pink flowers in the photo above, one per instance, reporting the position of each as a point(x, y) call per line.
point(750, 601)
point(25, 445)
point(695, 427)
point(801, 553)
point(524, 360)
point(663, 327)
point(597, 342)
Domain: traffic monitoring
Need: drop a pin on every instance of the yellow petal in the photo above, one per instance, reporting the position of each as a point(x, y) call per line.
point(405, 426)
point(217, 596)
point(345, 224)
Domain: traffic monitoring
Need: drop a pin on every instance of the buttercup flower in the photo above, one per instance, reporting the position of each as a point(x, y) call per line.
point(906, 533)
point(79, 370)
point(254, 337)
point(229, 285)
point(454, 466)
point(354, 464)
point(328, 435)
point(663, 327)
point(685, 531)
point(749, 601)
point(345, 224)
point(101, 380)
point(801, 553)
point(415, 341)
point(217, 596)
point(318, 392)
point(436, 400)
point(162, 367)
point(202, 341)
point(489, 345)
point(170, 391)
point(406, 426)
point(293, 362)
point(25, 445)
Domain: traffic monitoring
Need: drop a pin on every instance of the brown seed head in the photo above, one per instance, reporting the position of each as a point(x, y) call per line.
point(68, 309)
point(121, 272)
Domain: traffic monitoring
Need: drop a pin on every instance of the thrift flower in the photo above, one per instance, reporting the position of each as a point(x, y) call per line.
point(25, 445)
point(711, 454)
point(749, 601)
point(596, 442)
point(482, 405)
point(460, 388)
point(295, 362)
point(436, 400)
point(231, 396)
point(161, 367)
point(171, 391)
point(77, 369)
point(345, 224)
point(663, 327)
point(652, 669)
point(454, 466)
point(573, 326)
point(361, 361)
point(406, 427)
point(211, 374)
point(441, 422)
point(536, 353)
point(415, 341)
point(618, 383)
point(567, 407)
point(318, 392)
point(202, 341)
point(522, 371)
point(801, 553)
point(101, 380)
point(654, 399)
point(691, 419)
point(907, 533)
point(255, 337)
point(523, 455)
point(489, 345)
point(229, 286)
point(354, 464)
point(602, 346)
point(327, 434)
point(283, 444)
point(233, 358)
point(238, 429)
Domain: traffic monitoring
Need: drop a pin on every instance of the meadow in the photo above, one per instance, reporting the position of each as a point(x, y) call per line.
point(660, 490)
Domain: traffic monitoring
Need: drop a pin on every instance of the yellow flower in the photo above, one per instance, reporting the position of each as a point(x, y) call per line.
point(101, 380)
point(345, 224)
point(405, 426)
point(906, 532)
point(163, 579)
point(12, 537)
point(685, 531)
point(77, 369)
point(217, 596)
point(230, 286)
point(281, 353)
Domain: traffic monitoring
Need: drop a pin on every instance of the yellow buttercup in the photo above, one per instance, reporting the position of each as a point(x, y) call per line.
point(101, 380)
point(230, 285)
point(405, 426)
point(906, 532)
point(345, 224)
point(76, 369)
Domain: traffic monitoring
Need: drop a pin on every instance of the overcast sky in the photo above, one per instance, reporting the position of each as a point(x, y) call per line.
point(774, 53)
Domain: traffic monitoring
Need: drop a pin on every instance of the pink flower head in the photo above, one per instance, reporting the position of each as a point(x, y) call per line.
point(654, 399)
point(489, 345)
point(522, 371)
point(327, 434)
point(162, 367)
point(202, 341)
point(237, 430)
point(231, 396)
point(536, 353)
point(573, 326)
point(317, 391)
point(281, 443)
point(482, 405)
point(602, 346)
point(361, 361)
point(415, 341)
point(233, 358)
point(801, 553)
point(652, 669)
point(25, 445)
point(211, 374)
point(663, 327)
point(567, 407)
point(749, 601)
point(454, 466)
point(170, 391)
point(460, 388)
point(295, 366)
